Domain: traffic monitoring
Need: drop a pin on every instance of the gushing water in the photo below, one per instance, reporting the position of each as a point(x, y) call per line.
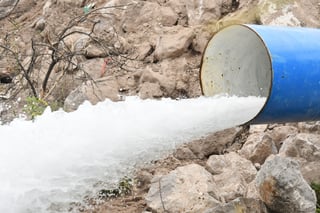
point(60, 157)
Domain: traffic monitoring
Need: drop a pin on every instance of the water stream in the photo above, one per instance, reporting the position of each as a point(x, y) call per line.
point(60, 157)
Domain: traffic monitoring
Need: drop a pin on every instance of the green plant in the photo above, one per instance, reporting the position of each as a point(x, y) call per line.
point(123, 188)
point(316, 188)
point(34, 106)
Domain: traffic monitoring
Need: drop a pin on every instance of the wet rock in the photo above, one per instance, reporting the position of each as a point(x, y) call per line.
point(216, 143)
point(186, 189)
point(232, 173)
point(258, 147)
point(243, 205)
point(173, 44)
point(282, 187)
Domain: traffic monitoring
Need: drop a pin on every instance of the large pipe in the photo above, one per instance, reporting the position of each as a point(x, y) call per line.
point(279, 63)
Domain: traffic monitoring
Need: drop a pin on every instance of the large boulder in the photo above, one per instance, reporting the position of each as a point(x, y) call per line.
point(231, 173)
point(282, 187)
point(189, 188)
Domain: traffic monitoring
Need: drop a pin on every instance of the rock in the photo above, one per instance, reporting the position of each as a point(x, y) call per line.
point(40, 24)
point(232, 173)
point(173, 44)
point(252, 191)
point(280, 133)
point(148, 12)
point(6, 7)
point(200, 41)
point(258, 147)
point(240, 205)
point(287, 13)
point(258, 128)
point(311, 171)
point(168, 17)
point(143, 50)
point(310, 127)
point(102, 89)
point(76, 3)
point(196, 12)
point(184, 153)
point(215, 143)
point(282, 187)
point(92, 68)
point(303, 146)
point(150, 90)
point(186, 189)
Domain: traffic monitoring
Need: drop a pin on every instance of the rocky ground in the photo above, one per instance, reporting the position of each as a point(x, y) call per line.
point(153, 49)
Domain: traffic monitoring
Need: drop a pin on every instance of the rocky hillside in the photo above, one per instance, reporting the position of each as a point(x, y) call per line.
point(63, 52)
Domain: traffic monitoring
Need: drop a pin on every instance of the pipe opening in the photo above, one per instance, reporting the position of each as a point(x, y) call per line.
point(236, 62)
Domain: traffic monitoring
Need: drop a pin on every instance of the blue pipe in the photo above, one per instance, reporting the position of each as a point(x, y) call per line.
point(279, 63)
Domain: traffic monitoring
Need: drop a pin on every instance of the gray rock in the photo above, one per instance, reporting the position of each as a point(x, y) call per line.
point(186, 189)
point(303, 146)
point(232, 174)
point(282, 187)
point(243, 205)
point(101, 90)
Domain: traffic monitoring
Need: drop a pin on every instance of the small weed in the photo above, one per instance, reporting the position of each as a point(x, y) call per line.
point(316, 188)
point(34, 106)
point(124, 187)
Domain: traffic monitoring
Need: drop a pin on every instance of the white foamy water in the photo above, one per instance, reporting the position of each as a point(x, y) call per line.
point(60, 157)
